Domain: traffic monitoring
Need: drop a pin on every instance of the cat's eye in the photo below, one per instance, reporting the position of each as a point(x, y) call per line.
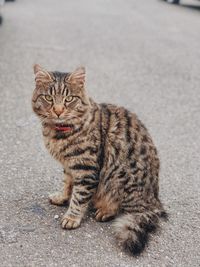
point(48, 98)
point(69, 98)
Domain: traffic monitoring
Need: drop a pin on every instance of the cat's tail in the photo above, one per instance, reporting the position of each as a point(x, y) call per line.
point(132, 229)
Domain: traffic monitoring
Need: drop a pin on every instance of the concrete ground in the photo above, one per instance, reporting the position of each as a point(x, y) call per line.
point(141, 54)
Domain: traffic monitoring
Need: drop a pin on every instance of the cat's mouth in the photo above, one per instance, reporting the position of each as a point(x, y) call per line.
point(63, 127)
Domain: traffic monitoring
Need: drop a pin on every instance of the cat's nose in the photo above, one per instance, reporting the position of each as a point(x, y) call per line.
point(58, 110)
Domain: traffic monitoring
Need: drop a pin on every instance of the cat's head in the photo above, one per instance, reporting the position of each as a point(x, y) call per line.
point(60, 98)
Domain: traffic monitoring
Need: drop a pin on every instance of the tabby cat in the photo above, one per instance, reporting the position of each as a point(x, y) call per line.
point(107, 154)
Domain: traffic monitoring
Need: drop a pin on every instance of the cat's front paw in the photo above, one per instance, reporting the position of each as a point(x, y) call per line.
point(70, 222)
point(58, 199)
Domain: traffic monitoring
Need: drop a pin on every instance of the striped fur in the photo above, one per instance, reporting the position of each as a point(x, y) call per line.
point(108, 157)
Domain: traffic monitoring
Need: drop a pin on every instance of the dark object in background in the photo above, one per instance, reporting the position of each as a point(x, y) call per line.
point(2, 2)
point(173, 1)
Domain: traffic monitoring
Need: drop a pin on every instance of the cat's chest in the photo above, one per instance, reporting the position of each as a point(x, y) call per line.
point(73, 149)
point(56, 148)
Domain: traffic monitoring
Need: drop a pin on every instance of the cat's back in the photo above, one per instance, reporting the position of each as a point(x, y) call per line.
point(120, 122)
point(127, 136)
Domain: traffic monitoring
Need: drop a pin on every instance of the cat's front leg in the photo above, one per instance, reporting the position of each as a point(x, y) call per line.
point(59, 198)
point(84, 186)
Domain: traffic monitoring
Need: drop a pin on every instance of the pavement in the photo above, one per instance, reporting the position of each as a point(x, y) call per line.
point(141, 54)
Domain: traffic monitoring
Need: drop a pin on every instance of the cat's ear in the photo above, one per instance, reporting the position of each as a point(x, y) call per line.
point(78, 77)
point(41, 75)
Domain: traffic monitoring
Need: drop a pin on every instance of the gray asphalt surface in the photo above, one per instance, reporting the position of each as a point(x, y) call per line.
point(141, 54)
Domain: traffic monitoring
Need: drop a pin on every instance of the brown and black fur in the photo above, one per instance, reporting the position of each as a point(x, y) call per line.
point(108, 157)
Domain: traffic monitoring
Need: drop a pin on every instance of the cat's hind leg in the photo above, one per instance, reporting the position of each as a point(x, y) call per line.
point(60, 198)
point(106, 208)
point(106, 203)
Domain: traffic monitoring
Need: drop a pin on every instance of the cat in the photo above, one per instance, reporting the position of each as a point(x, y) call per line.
point(108, 157)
